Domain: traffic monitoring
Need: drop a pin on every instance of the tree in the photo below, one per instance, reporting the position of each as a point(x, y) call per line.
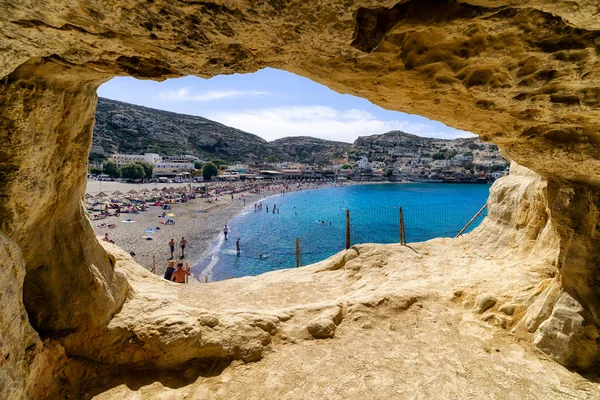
point(272, 159)
point(346, 166)
point(133, 171)
point(439, 156)
point(148, 168)
point(209, 170)
point(111, 169)
point(198, 165)
point(389, 173)
point(95, 171)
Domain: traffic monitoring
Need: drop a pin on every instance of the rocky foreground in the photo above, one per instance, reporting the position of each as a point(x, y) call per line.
point(447, 318)
point(523, 75)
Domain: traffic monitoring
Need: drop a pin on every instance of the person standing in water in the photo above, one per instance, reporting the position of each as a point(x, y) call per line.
point(237, 246)
point(225, 231)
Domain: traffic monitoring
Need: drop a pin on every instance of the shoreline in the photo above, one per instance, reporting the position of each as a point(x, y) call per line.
point(200, 229)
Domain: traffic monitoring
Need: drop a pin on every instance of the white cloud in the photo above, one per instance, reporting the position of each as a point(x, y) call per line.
point(186, 95)
point(325, 122)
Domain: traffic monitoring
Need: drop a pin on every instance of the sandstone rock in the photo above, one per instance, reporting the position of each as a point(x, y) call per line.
point(484, 302)
point(541, 309)
point(208, 320)
point(321, 328)
point(18, 341)
point(508, 309)
point(522, 75)
point(567, 336)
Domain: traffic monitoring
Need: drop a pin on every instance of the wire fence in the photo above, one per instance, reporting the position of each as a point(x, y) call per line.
point(384, 225)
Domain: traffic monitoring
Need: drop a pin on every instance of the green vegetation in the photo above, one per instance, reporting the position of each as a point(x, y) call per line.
point(111, 169)
point(148, 168)
point(198, 164)
point(444, 154)
point(493, 148)
point(468, 154)
point(272, 159)
point(96, 157)
point(133, 171)
point(209, 170)
point(475, 146)
point(346, 166)
point(95, 171)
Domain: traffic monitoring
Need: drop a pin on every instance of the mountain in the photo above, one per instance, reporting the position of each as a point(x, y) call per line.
point(395, 143)
point(308, 149)
point(131, 129)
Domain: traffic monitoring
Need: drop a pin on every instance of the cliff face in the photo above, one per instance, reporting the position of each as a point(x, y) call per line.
point(524, 76)
point(130, 129)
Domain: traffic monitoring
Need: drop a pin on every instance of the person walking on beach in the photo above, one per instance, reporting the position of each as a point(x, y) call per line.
point(172, 247)
point(170, 270)
point(225, 231)
point(237, 246)
point(182, 244)
point(180, 273)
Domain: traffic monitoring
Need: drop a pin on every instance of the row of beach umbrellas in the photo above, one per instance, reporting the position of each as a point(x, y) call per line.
point(134, 192)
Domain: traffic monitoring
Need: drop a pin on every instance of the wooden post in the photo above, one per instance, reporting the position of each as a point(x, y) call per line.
point(347, 229)
point(153, 264)
point(297, 252)
point(402, 231)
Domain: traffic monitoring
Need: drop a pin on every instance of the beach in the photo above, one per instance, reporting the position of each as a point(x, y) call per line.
point(199, 220)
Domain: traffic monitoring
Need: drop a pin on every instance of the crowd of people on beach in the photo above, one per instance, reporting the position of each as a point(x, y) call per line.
point(210, 192)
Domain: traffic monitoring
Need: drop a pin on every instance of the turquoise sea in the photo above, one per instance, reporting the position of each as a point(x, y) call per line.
point(318, 219)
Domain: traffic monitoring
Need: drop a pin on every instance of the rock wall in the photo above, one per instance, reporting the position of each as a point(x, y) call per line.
point(524, 76)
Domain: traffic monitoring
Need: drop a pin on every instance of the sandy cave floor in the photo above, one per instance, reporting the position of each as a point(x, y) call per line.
point(408, 330)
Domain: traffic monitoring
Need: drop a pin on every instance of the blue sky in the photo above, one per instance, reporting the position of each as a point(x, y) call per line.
point(273, 104)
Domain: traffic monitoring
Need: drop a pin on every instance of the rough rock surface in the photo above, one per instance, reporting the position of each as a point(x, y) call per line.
point(522, 74)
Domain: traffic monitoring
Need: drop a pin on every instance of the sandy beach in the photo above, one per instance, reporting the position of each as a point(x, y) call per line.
point(199, 220)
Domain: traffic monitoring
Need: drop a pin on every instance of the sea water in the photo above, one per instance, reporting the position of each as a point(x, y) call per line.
point(318, 219)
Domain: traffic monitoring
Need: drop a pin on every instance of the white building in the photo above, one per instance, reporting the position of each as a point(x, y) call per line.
point(364, 163)
point(122, 159)
point(171, 168)
point(440, 163)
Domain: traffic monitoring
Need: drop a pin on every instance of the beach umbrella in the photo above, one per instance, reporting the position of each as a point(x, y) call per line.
point(88, 196)
point(132, 192)
point(101, 194)
point(171, 189)
point(164, 189)
point(144, 190)
point(117, 193)
point(156, 190)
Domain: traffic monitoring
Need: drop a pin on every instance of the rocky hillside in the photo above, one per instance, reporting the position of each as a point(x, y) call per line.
point(127, 128)
point(308, 149)
point(394, 143)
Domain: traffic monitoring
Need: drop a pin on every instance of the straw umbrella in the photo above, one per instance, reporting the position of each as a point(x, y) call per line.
point(132, 192)
point(117, 193)
point(88, 196)
point(101, 194)
point(156, 190)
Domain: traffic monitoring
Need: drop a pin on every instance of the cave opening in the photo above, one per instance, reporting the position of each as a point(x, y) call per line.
point(525, 78)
